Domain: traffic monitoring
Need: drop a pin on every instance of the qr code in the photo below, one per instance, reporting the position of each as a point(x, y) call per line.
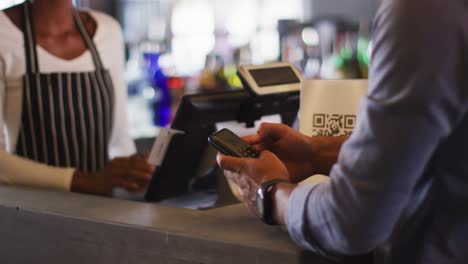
point(333, 124)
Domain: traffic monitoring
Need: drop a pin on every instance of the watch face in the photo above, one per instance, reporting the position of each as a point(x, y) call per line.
point(259, 202)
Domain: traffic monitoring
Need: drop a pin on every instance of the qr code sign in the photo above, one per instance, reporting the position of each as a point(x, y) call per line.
point(333, 124)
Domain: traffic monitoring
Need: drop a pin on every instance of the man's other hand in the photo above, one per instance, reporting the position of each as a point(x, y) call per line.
point(249, 173)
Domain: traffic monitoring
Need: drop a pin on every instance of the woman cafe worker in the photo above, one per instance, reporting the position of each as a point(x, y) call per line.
point(63, 120)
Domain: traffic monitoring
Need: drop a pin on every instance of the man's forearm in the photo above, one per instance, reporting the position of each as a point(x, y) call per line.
point(281, 195)
point(326, 154)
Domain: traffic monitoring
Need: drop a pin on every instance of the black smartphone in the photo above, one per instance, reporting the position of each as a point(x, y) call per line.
point(230, 144)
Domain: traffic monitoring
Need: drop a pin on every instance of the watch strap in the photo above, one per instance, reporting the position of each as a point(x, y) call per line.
point(264, 193)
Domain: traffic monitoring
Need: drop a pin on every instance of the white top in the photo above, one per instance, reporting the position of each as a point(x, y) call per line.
point(109, 43)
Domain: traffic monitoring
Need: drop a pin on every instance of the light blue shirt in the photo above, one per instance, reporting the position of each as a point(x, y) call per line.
point(400, 186)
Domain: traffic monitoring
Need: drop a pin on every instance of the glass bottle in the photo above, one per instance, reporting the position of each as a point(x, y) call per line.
point(161, 102)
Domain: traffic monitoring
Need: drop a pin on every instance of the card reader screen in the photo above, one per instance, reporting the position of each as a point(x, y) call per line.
point(274, 76)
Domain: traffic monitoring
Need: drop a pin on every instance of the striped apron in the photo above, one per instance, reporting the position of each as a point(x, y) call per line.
point(66, 116)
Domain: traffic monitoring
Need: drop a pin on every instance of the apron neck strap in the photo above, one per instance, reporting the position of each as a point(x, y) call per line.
point(29, 40)
point(32, 64)
point(88, 41)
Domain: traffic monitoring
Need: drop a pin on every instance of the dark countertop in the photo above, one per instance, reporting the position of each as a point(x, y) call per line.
point(59, 227)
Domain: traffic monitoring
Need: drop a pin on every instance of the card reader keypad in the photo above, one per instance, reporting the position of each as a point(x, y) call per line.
point(249, 152)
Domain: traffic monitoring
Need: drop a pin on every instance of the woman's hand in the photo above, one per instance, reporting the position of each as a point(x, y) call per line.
point(249, 173)
point(132, 173)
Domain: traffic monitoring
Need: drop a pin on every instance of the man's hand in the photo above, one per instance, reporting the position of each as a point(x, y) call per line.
point(291, 147)
point(249, 173)
point(303, 156)
point(132, 173)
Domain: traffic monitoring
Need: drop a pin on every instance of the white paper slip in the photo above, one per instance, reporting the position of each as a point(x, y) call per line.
point(159, 149)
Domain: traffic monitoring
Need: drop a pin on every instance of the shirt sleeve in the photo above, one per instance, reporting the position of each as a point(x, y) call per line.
point(120, 143)
point(413, 104)
point(19, 171)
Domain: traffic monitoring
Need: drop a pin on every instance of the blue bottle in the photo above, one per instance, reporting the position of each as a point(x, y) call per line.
point(161, 103)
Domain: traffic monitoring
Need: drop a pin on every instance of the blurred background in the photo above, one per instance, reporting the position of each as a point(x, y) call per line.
point(175, 47)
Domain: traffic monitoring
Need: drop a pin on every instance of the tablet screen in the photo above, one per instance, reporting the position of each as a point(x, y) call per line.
point(274, 76)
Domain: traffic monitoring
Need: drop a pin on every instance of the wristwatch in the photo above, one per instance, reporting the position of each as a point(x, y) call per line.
point(264, 200)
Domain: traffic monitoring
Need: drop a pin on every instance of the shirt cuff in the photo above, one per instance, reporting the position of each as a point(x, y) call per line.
point(49, 177)
point(314, 179)
point(67, 178)
point(296, 210)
